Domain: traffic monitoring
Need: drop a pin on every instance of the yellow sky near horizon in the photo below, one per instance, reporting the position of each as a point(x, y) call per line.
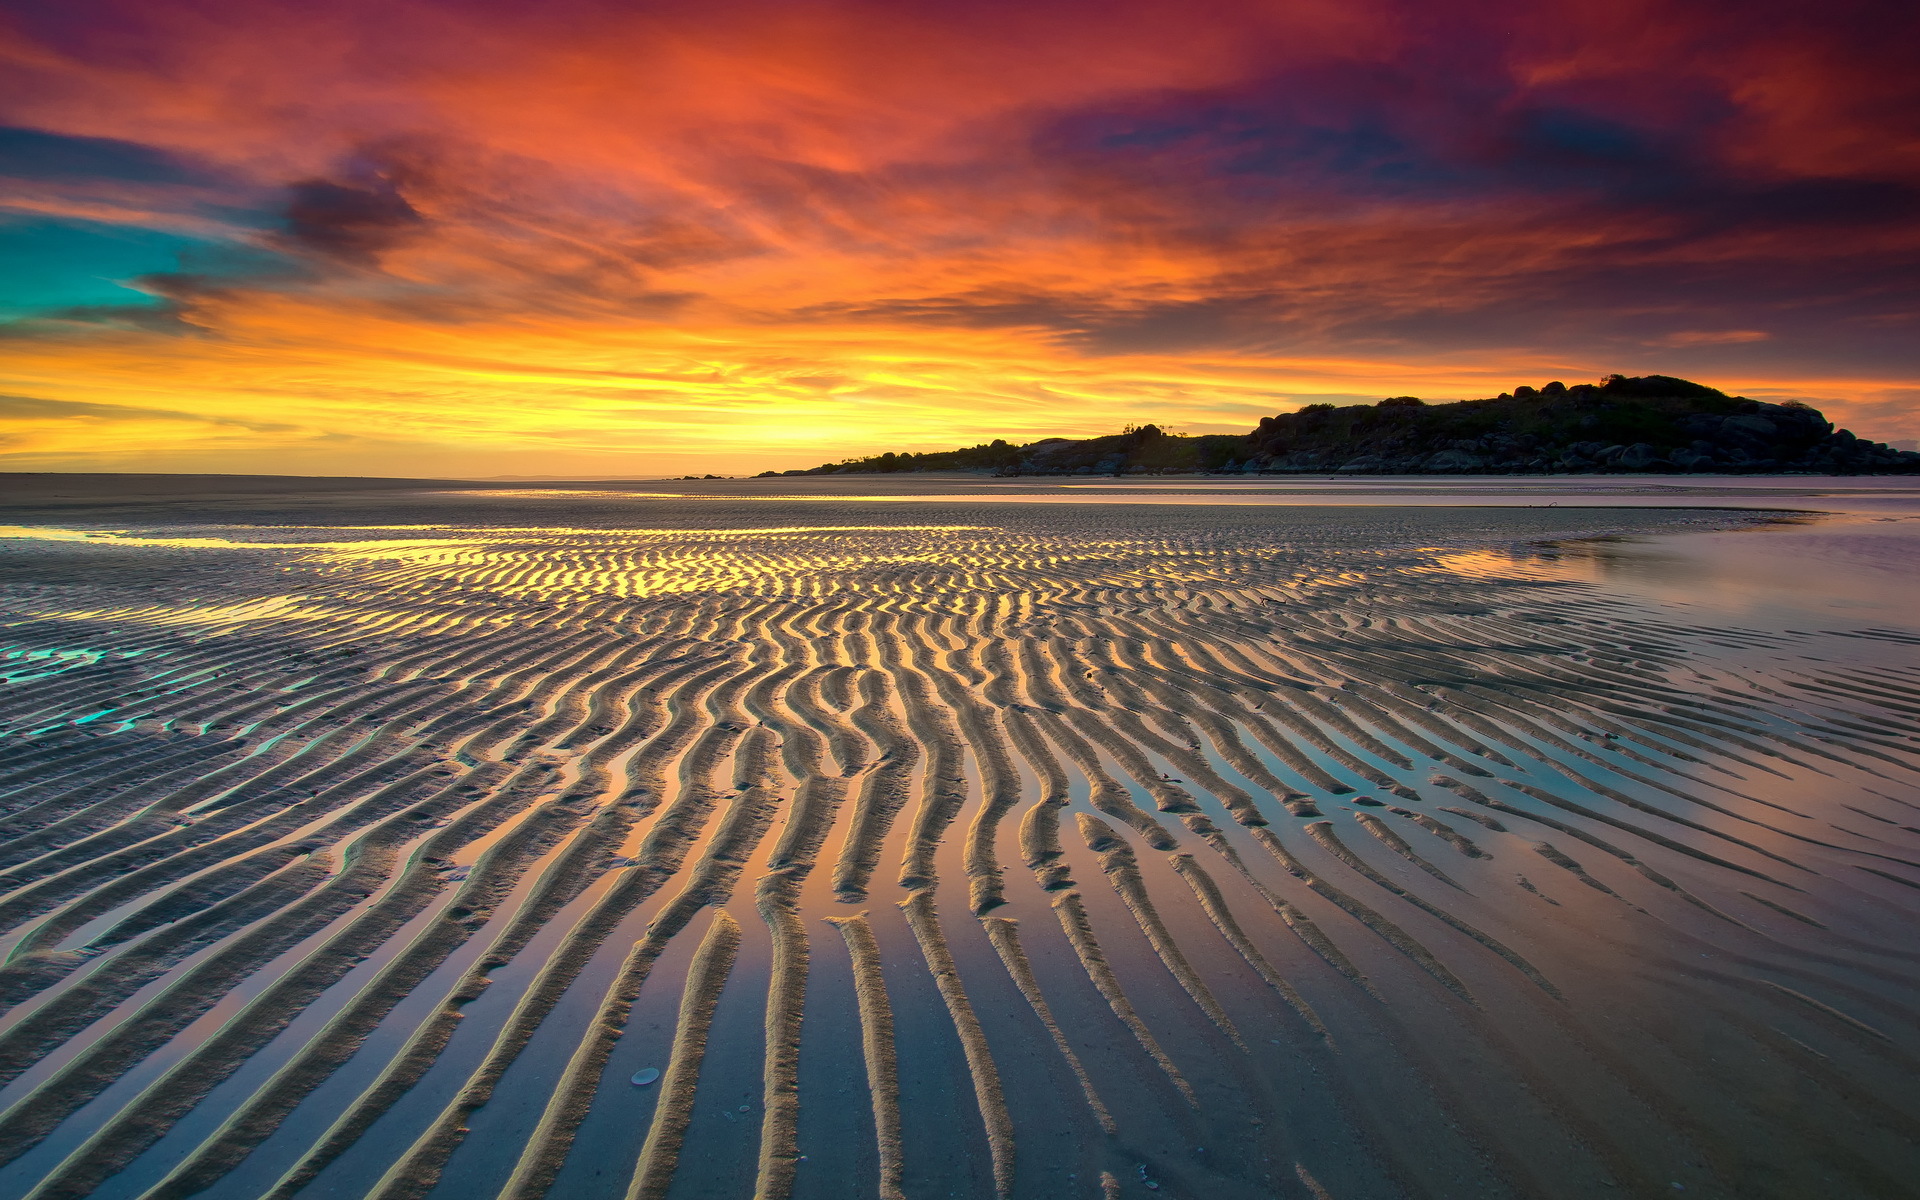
point(548, 399)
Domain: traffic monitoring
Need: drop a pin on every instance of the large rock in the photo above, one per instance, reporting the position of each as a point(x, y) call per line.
point(1637, 457)
point(1452, 460)
point(1750, 423)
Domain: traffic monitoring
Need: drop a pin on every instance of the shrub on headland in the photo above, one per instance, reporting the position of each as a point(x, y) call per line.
point(1648, 423)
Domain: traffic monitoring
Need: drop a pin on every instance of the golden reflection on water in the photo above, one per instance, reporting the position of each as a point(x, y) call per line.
point(369, 548)
point(567, 564)
point(556, 493)
point(1785, 569)
point(1557, 560)
point(474, 533)
point(276, 608)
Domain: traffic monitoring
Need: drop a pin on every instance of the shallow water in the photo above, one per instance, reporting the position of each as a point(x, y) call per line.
point(1364, 838)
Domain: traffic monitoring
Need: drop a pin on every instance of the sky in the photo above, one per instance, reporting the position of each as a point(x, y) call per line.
point(644, 237)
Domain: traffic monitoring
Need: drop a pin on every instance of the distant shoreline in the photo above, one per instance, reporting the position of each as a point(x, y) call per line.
point(29, 486)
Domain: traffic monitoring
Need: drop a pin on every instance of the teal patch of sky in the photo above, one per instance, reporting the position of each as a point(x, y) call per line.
point(52, 264)
point(47, 266)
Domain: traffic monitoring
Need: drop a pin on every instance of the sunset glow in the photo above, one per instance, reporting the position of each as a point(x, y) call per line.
point(588, 238)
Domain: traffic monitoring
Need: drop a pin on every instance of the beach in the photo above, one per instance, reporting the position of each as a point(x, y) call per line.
point(948, 836)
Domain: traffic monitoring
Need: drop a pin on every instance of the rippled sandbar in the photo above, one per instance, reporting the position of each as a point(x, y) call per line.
point(607, 844)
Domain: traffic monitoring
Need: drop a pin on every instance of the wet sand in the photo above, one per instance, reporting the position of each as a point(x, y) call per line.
point(960, 837)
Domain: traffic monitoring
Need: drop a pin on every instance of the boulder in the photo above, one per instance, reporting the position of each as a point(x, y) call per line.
point(1746, 423)
point(1452, 460)
point(1637, 457)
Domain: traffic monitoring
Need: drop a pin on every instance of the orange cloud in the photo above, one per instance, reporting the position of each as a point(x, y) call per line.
point(1711, 337)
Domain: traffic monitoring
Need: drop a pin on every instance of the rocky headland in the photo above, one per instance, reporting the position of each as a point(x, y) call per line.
point(1649, 424)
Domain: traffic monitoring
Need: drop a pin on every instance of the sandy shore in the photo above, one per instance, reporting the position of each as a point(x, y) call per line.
point(945, 836)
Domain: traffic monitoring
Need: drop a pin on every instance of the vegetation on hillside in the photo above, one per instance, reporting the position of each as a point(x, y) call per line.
point(1651, 423)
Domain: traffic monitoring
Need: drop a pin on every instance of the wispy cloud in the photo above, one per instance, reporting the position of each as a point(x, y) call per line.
point(1711, 337)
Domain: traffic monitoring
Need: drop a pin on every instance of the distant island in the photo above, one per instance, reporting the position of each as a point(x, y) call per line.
point(1646, 424)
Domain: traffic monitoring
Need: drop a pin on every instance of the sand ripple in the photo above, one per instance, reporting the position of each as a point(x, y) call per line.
point(1255, 857)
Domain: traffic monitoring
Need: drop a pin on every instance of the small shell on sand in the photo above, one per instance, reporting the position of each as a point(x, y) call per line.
point(645, 1076)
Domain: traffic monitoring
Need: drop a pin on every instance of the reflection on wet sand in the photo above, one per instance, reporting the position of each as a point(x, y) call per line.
point(1797, 569)
point(1089, 852)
